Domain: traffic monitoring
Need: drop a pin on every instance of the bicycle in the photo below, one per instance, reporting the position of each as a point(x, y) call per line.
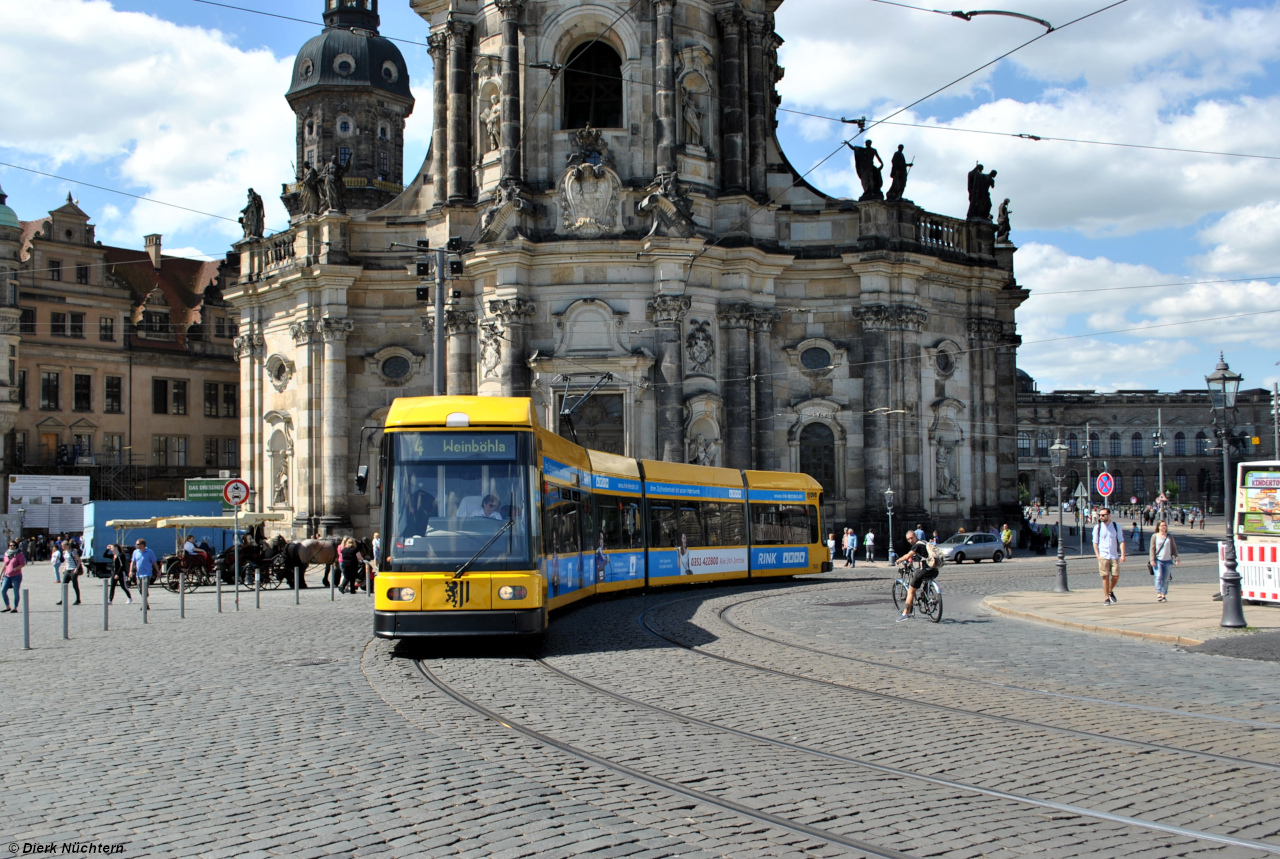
point(928, 595)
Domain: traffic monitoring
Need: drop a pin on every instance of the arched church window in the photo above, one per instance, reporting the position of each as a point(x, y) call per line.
point(815, 358)
point(593, 87)
point(1135, 443)
point(1115, 444)
point(1042, 444)
point(1180, 444)
point(344, 127)
point(818, 454)
point(1073, 444)
point(1024, 445)
point(1202, 444)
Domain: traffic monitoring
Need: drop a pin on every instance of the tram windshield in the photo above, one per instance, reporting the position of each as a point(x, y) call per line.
point(450, 492)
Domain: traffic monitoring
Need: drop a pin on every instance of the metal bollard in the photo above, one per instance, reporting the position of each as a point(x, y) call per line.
point(146, 601)
point(237, 578)
point(26, 619)
point(65, 636)
point(217, 580)
point(332, 580)
point(106, 601)
point(257, 587)
point(182, 595)
point(295, 585)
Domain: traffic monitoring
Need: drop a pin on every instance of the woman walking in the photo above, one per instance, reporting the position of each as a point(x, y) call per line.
point(71, 569)
point(119, 571)
point(56, 557)
point(349, 560)
point(1164, 557)
point(14, 561)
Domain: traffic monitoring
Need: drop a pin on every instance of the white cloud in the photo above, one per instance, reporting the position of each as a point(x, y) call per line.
point(176, 112)
point(1245, 240)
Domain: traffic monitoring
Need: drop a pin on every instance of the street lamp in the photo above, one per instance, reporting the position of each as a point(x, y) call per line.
point(1058, 467)
point(1223, 385)
point(1158, 444)
point(888, 503)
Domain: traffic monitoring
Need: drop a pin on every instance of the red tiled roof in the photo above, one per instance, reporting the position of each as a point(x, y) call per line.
point(181, 281)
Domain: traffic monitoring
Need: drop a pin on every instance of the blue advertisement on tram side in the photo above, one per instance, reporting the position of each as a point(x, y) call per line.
point(565, 573)
point(695, 562)
point(618, 566)
point(779, 558)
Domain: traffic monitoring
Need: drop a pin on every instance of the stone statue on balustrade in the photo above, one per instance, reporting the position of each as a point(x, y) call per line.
point(869, 166)
point(980, 185)
point(309, 190)
point(692, 120)
point(253, 217)
point(333, 191)
point(899, 167)
point(1002, 222)
point(492, 119)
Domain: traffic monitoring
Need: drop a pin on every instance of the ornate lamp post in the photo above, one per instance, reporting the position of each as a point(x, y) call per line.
point(1223, 385)
point(888, 504)
point(1158, 444)
point(1058, 467)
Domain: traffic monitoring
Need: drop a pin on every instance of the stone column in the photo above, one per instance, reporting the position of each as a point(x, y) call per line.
point(335, 433)
point(511, 170)
point(248, 349)
point(667, 313)
point(767, 458)
point(306, 495)
point(505, 330)
point(888, 440)
point(459, 168)
point(736, 320)
point(759, 29)
point(664, 90)
point(460, 331)
point(437, 46)
point(731, 119)
point(1005, 418)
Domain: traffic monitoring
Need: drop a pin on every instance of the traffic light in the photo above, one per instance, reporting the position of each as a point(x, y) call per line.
point(424, 260)
point(455, 268)
point(455, 245)
point(424, 293)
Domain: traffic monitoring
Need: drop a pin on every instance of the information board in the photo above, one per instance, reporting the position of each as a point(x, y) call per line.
point(51, 502)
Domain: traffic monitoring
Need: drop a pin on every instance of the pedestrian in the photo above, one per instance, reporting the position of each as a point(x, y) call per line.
point(1108, 548)
point(143, 564)
point(349, 561)
point(14, 561)
point(1163, 557)
point(72, 567)
point(376, 545)
point(853, 548)
point(1006, 537)
point(870, 542)
point(919, 532)
point(831, 545)
point(115, 557)
point(56, 557)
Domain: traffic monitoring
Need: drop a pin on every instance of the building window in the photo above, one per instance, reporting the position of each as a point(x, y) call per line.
point(82, 392)
point(20, 448)
point(168, 450)
point(113, 399)
point(58, 324)
point(1115, 444)
point(155, 325)
point(1181, 478)
point(220, 326)
point(1135, 444)
point(1202, 480)
point(593, 87)
point(1042, 444)
point(27, 321)
point(159, 450)
point(77, 325)
point(221, 452)
point(1024, 445)
point(1139, 483)
point(22, 389)
point(1095, 444)
point(818, 454)
point(344, 127)
point(55, 269)
point(177, 450)
point(112, 449)
point(106, 329)
point(1073, 480)
point(1118, 479)
point(384, 164)
point(1202, 444)
point(49, 392)
point(344, 155)
point(160, 396)
point(210, 399)
point(230, 401)
point(81, 445)
point(179, 398)
point(1073, 444)
point(82, 274)
point(1180, 444)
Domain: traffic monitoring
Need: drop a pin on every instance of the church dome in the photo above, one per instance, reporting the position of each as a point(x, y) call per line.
point(341, 57)
point(8, 217)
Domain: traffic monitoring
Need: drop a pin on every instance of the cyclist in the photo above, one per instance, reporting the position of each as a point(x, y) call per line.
point(928, 569)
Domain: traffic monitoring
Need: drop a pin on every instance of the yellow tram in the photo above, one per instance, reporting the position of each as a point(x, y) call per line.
point(491, 521)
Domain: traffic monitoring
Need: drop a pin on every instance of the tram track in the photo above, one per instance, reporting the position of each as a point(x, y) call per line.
point(1069, 810)
point(945, 708)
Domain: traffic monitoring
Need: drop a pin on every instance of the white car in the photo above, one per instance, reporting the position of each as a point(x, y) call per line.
point(972, 547)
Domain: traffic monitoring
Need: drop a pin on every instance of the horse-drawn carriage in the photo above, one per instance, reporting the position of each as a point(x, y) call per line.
point(190, 571)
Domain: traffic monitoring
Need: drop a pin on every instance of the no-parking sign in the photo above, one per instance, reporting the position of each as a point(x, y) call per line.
point(236, 492)
point(1105, 485)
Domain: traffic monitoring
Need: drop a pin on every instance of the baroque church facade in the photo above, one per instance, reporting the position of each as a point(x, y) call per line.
point(626, 209)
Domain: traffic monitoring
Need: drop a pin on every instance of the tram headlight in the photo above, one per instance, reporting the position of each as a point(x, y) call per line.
point(510, 592)
point(400, 594)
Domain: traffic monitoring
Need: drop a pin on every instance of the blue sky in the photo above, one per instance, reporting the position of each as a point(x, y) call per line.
point(183, 101)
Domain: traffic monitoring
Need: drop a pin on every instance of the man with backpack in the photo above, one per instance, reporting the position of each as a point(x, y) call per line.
point(931, 563)
point(1108, 548)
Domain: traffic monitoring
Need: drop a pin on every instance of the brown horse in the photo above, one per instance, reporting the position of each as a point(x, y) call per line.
point(302, 554)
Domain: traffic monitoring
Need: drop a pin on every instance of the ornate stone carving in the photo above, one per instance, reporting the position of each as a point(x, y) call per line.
point(335, 329)
point(305, 331)
point(459, 322)
point(669, 208)
point(502, 220)
point(765, 319)
point(736, 314)
point(700, 347)
point(891, 317)
point(730, 20)
point(589, 193)
point(491, 117)
point(668, 309)
point(513, 310)
point(1002, 222)
point(248, 346)
point(946, 479)
point(280, 370)
point(589, 147)
point(437, 42)
point(491, 337)
point(986, 329)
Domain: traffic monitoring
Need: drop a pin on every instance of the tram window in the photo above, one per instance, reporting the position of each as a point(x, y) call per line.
point(691, 523)
point(733, 524)
point(563, 528)
point(782, 523)
point(815, 526)
point(765, 528)
point(712, 523)
point(618, 519)
point(664, 527)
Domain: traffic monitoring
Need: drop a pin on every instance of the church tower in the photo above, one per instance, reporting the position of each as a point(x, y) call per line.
point(350, 93)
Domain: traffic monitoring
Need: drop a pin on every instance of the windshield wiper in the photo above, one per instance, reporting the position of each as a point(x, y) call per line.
point(457, 574)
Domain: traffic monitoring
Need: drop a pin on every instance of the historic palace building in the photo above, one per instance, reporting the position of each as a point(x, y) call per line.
point(120, 360)
point(613, 172)
point(1123, 430)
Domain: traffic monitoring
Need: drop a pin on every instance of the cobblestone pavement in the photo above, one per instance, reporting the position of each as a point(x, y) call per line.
point(288, 731)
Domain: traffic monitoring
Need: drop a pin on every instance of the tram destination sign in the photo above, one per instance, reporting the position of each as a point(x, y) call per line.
point(461, 446)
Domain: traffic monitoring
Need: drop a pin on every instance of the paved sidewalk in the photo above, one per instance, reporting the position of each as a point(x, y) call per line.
point(1189, 618)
